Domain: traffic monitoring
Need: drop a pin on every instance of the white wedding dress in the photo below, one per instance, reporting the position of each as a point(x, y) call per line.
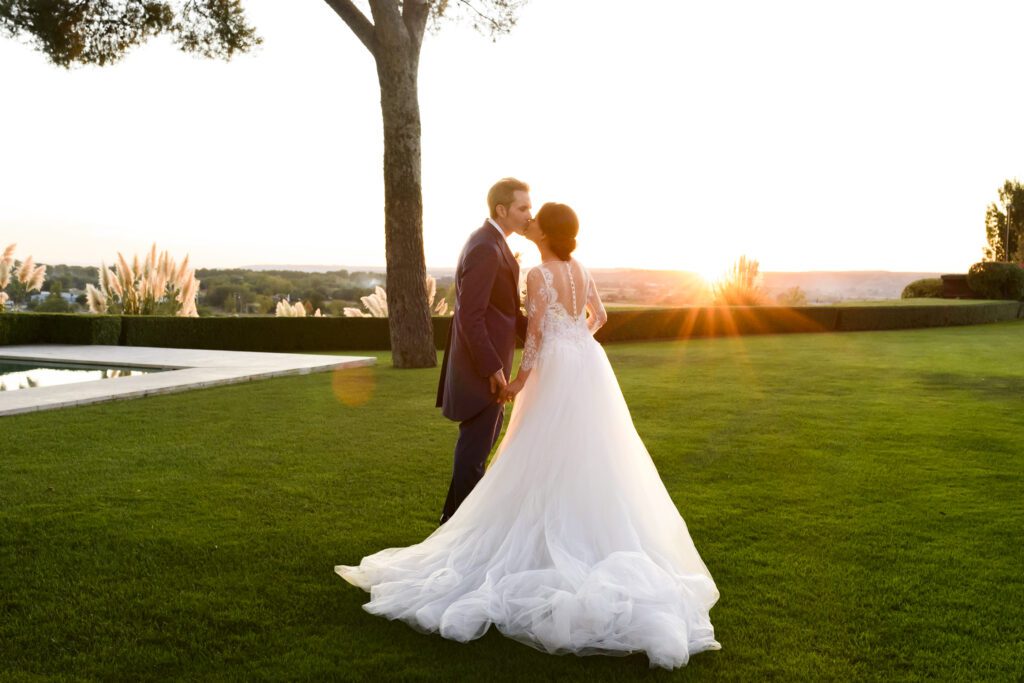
point(570, 542)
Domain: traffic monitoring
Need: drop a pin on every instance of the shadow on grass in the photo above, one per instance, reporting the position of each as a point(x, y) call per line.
point(992, 386)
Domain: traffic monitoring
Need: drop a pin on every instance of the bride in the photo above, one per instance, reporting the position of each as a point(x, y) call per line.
point(570, 542)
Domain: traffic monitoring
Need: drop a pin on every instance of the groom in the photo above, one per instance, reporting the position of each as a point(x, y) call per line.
point(481, 340)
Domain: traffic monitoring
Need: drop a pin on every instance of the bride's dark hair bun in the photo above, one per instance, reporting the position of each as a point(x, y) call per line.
point(559, 223)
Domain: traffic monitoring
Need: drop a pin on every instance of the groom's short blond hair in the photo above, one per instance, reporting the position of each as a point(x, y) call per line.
point(503, 192)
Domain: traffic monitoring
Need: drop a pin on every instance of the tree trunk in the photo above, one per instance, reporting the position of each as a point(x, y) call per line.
point(394, 39)
point(412, 336)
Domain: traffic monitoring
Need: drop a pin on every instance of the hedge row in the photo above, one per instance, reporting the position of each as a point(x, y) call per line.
point(256, 333)
point(681, 323)
point(59, 328)
point(354, 334)
point(230, 334)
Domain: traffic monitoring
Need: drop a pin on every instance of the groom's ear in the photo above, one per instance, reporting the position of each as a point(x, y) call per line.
point(501, 210)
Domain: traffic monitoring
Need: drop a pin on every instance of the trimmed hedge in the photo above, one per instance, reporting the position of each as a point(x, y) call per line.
point(682, 323)
point(256, 333)
point(928, 288)
point(865, 318)
point(265, 333)
point(59, 328)
point(366, 334)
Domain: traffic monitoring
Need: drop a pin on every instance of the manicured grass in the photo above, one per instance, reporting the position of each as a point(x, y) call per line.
point(857, 498)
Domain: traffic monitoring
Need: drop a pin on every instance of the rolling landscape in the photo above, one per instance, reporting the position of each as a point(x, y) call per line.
point(677, 288)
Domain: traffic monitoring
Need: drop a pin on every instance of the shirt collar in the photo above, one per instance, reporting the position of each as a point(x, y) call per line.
point(498, 228)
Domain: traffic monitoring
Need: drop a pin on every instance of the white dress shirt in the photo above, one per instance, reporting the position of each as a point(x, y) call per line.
point(498, 228)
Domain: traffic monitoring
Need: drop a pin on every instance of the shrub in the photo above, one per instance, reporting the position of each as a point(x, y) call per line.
point(741, 285)
point(285, 309)
point(996, 280)
point(157, 286)
point(27, 275)
point(794, 296)
point(928, 288)
point(377, 303)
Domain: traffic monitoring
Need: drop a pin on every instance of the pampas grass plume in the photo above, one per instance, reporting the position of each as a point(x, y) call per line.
point(96, 299)
point(25, 270)
point(36, 279)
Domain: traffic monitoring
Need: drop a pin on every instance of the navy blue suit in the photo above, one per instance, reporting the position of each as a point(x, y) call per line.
point(481, 341)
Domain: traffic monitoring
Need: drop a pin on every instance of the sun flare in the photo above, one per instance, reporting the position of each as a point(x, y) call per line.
point(711, 274)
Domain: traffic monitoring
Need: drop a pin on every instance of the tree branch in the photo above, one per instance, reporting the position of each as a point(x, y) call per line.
point(357, 21)
point(497, 17)
point(414, 14)
point(388, 21)
point(495, 25)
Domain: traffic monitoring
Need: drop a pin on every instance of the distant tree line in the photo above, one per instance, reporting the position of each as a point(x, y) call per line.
point(256, 292)
point(239, 291)
point(234, 291)
point(70, 277)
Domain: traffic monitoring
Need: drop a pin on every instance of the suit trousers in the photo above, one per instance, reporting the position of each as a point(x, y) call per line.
point(477, 437)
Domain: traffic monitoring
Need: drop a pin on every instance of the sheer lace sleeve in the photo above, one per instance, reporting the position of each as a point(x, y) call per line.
point(536, 309)
point(596, 315)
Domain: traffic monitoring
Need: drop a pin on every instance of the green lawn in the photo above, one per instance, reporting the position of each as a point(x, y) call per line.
point(857, 498)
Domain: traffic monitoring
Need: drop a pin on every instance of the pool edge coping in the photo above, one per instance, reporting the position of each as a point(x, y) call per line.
point(205, 368)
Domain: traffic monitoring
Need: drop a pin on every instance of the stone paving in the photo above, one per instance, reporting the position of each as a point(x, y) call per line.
point(192, 369)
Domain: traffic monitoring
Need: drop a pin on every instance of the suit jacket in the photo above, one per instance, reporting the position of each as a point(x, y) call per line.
point(484, 327)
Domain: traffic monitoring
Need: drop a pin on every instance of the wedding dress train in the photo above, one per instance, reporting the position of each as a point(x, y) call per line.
point(570, 543)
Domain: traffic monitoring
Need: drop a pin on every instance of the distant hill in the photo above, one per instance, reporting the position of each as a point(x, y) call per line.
point(668, 287)
point(436, 272)
point(315, 268)
point(824, 286)
point(671, 288)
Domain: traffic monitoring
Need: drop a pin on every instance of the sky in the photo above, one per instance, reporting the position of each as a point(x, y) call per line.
point(809, 135)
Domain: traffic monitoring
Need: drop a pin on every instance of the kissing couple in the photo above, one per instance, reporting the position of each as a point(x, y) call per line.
point(568, 541)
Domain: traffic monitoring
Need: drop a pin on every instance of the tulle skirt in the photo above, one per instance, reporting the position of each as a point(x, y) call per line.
point(570, 542)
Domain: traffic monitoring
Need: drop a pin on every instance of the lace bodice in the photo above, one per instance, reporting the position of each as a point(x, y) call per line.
point(563, 308)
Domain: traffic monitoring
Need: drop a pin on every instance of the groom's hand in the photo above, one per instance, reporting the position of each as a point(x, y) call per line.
point(497, 382)
point(509, 391)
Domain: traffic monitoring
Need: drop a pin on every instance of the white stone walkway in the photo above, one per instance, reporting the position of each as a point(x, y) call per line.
point(194, 368)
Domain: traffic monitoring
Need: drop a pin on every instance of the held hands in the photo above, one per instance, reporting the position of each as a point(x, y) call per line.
point(504, 391)
point(508, 393)
point(498, 382)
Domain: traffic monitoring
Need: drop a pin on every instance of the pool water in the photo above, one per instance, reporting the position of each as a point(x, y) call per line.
point(16, 375)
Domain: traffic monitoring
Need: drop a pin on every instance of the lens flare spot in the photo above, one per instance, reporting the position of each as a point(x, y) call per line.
point(353, 386)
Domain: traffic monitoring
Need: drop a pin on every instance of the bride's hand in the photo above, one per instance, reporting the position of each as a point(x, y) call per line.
point(508, 393)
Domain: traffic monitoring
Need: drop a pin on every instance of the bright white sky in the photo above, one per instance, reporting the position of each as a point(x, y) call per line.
point(856, 135)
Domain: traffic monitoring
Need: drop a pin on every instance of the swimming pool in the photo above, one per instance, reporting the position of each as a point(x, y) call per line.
point(17, 375)
point(153, 371)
